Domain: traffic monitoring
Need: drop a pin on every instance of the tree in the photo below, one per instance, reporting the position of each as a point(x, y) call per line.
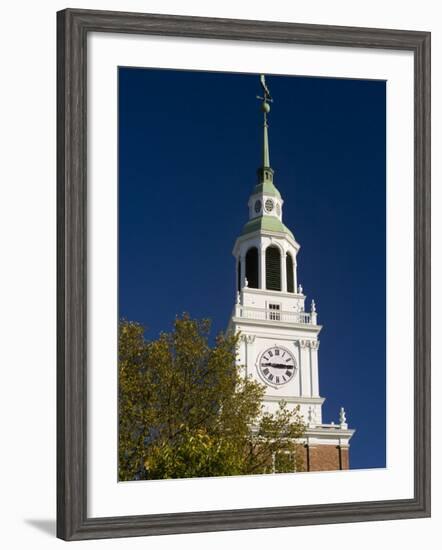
point(185, 409)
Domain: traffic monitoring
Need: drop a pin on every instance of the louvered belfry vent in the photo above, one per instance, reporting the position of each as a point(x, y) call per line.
point(252, 267)
point(290, 273)
point(273, 268)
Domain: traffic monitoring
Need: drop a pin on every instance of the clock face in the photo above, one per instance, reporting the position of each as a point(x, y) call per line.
point(277, 366)
point(269, 205)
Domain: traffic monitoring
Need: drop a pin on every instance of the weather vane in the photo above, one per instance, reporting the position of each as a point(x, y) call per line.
point(266, 98)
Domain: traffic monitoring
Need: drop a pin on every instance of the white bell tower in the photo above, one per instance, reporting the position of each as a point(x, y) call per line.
point(279, 339)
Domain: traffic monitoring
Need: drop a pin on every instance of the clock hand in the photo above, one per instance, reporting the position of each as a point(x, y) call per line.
point(278, 365)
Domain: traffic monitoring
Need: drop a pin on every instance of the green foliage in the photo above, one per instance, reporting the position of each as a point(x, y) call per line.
point(194, 454)
point(185, 410)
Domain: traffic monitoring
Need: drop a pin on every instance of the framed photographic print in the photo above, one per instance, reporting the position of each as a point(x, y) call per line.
point(243, 274)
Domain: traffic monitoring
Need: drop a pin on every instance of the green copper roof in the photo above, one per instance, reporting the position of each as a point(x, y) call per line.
point(267, 223)
point(266, 187)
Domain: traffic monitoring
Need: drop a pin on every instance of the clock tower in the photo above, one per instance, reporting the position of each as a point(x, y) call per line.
point(279, 337)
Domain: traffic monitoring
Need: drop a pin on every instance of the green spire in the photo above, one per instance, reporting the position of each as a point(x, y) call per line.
point(266, 99)
point(264, 220)
point(265, 172)
point(265, 147)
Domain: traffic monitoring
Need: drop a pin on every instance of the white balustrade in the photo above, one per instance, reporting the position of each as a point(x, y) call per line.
point(263, 314)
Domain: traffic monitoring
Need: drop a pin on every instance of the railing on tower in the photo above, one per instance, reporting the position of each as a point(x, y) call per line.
point(268, 314)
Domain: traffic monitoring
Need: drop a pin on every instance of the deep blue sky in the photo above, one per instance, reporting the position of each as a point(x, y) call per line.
point(189, 147)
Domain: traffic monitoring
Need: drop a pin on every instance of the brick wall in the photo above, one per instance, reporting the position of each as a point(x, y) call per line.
point(319, 458)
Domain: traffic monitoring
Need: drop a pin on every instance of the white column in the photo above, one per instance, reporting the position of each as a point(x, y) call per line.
point(314, 367)
point(283, 271)
point(262, 266)
point(295, 275)
point(243, 270)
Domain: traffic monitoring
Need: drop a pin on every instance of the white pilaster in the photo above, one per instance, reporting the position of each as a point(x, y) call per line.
point(248, 340)
point(305, 368)
point(314, 345)
point(300, 373)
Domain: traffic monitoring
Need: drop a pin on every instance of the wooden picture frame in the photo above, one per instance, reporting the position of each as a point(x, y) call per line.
point(73, 27)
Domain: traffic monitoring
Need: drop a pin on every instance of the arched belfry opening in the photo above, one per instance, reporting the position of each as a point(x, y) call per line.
point(252, 267)
point(290, 273)
point(273, 268)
